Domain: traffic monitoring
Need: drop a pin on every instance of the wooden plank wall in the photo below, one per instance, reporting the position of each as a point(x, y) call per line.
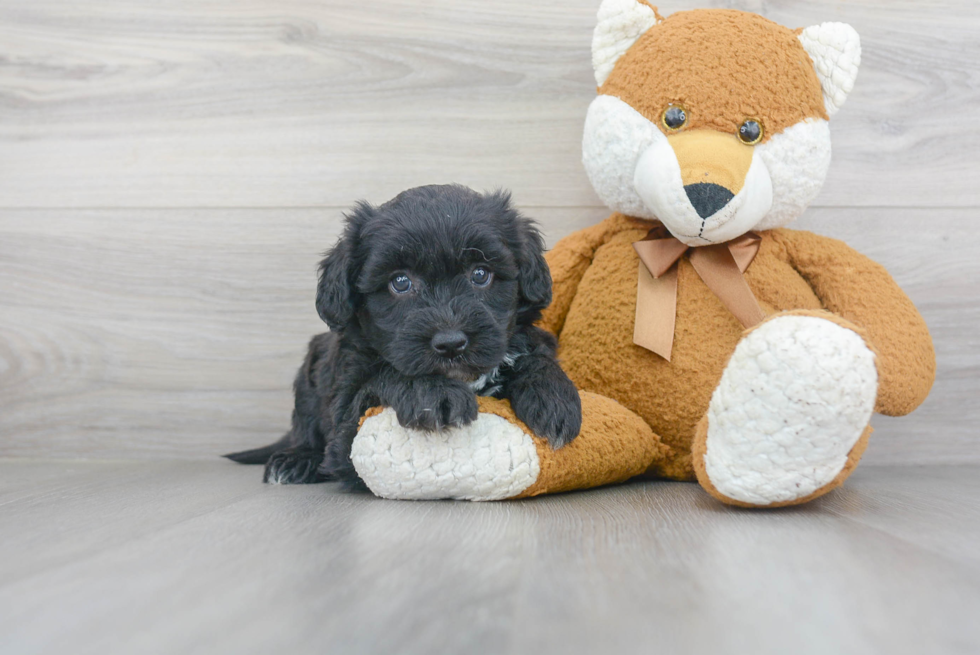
point(170, 172)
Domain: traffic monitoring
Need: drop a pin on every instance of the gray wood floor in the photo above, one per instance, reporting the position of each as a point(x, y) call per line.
point(199, 557)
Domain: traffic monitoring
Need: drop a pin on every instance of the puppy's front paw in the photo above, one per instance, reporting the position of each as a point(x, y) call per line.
point(294, 466)
point(551, 407)
point(433, 404)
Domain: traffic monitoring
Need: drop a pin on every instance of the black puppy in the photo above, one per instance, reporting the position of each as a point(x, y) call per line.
point(431, 299)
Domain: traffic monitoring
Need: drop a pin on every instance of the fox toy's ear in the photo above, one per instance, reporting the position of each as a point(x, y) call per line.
point(621, 23)
point(835, 49)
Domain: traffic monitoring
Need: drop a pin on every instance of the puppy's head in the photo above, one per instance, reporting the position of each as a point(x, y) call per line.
point(436, 279)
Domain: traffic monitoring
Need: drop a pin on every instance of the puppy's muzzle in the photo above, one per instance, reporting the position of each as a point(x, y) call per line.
point(450, 343)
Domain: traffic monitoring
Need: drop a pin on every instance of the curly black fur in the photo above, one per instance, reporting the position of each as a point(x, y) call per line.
point(389, 348)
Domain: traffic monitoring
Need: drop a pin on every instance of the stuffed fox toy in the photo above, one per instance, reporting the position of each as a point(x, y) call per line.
point(708, 342)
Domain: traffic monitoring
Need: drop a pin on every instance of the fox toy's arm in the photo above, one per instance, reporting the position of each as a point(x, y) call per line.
point(860, 290)
point(568, 261)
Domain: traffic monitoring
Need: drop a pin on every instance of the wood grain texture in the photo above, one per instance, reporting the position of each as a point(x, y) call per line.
point(170, 173)
point(163, 333)
point(297, 103)
point(200, 557)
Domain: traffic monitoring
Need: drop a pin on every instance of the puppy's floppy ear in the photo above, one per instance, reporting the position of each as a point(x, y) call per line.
point(533, 277)
point(336, 297)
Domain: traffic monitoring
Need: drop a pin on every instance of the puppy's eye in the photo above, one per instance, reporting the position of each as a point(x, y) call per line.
point(400, 284)
point(674, 117)
point(481, 277)
point(750, 132)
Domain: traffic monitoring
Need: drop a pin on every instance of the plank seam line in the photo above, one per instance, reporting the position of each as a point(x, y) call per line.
point(344, 207)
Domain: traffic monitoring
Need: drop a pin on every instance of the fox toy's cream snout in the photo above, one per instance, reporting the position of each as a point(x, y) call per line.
point(712, 161)
point(697, 133)
point(726, 187)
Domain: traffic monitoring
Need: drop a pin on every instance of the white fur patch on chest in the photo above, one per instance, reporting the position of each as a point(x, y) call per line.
point(487, 384)
point(490, 383)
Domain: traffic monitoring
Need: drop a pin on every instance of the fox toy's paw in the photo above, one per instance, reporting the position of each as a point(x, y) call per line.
point(497, 456)
point(491, 458)
point(789, 419)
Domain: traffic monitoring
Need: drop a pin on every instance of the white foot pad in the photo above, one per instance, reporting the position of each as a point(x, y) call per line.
point(489, 459)
point(794, 399)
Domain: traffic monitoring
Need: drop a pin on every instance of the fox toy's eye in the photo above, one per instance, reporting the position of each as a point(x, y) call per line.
point(674, 117)
point(481, 277)
point(400, 284)
point(750, 132)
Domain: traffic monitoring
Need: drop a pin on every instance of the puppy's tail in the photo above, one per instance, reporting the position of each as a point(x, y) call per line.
point(259, 455)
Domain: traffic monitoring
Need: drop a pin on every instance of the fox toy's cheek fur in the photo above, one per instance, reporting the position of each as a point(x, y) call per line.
point(705, 186)
point(614, 138)
point(797, 160)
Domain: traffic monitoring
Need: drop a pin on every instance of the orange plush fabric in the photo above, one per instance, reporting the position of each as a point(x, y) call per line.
point(723, 67)
point(614, 445)
point(595, 292)
point(713, 79)
point(861, 291)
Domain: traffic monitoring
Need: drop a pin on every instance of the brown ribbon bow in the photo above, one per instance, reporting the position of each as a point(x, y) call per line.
point(719, 265)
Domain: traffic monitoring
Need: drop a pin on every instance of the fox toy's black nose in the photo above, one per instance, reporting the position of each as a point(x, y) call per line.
point(450, 344)
point(708, 198)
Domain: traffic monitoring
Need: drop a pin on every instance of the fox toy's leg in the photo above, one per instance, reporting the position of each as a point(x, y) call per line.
point(789, 420)
point(497, 456)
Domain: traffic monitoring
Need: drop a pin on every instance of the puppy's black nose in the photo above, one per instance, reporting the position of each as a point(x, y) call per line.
point(708, 198)
point(450, 344)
